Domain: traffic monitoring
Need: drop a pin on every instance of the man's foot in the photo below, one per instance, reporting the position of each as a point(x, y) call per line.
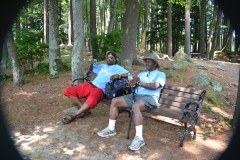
point(107, 133)
point(137, 143)
point(68, 119)
point(84, 114)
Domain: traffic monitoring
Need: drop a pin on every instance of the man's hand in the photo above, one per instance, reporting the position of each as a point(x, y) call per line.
point(113, 77)
point(134, 81)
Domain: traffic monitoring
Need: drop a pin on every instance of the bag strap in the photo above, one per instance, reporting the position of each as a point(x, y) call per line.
point(85, 78)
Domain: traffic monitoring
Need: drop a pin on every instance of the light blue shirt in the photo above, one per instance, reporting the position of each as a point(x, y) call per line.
point(104, 72)
point(151, 77)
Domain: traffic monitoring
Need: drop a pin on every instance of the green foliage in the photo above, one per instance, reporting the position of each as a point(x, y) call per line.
point(212, 128)
point(67, 64)
point(225, 120)
point(42, 68)
point(207, 107)
point(108, 42)
point(174, 77)
point(183, 69)
point(65, 52)
point(29, 47)
point(215, 99)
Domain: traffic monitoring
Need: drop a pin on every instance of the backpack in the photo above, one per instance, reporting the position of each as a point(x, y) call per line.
point(116, 88)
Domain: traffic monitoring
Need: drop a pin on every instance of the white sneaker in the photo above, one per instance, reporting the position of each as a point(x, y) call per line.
point(137, 143)
point(107, 133)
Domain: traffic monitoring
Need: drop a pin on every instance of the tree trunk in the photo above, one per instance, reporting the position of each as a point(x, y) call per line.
point(169, 30)
point(101, 8)
point(107, 16)
point(128, 56)
point(228, 45)
point(45, 39)
point(93, 29)
point(214, 43)
point(77, 52)
point(69, 24)
point(202, 43)
point(187, 48)
point(237, 108)
point(112, 16)
point(237, 41)
point(143, 45)
point(55, 62)
point(229, 37)
point(210, 31)
point(3, 61)
point(16, 68)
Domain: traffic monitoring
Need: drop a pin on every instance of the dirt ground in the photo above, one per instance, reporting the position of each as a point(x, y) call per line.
point(34, 111)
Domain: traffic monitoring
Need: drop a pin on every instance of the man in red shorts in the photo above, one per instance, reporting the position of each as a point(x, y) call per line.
point(94, 91)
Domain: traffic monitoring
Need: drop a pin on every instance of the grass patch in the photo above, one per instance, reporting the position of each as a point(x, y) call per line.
point(65, 52)
point(183, 69)
point(194, 143)
point(215, 99)
point(207, 107)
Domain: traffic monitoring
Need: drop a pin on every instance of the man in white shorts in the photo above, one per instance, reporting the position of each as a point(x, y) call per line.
point(147, 92)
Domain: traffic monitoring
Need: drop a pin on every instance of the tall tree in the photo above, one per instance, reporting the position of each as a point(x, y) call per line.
point(187, 46)
point(202, 43)
point(144, 26)
point(3, 61)
point(211, 30)
point(128, 56)
point(93, 29)
point(55, 62)
point(77, 52)
point(70, 23)
point(236, 114)
point(169, 30)
point(18, 78)
point(113, 13)
point(45, 39)
point(216, 32)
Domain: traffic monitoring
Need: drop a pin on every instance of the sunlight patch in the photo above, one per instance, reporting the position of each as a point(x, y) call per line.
point(25, 93)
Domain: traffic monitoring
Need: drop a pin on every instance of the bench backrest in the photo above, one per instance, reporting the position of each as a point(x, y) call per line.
point(173, 100)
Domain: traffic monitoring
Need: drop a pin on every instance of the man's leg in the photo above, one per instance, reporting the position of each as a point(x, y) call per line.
point(138, 107)
point(82, 107)
point(117, 103)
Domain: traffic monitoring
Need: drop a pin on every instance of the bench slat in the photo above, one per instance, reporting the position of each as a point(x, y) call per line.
point(172, 112)
point(178, 99)
point(182, 89)
point(175, 105)
point(180, 94)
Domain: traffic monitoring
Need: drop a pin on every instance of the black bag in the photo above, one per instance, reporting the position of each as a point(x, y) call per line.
point(116, 88)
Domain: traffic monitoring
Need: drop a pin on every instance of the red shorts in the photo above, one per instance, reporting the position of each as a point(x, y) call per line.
point(92, 94)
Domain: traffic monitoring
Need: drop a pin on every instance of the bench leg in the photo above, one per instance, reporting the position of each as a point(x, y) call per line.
point(129, 126)
point(191, 128)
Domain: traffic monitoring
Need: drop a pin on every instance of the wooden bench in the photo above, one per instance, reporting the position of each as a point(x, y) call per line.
point(198, 55)
point(179, 103)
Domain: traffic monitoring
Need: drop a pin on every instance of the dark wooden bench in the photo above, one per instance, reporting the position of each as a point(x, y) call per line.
point(179, 103)
point(198, 55)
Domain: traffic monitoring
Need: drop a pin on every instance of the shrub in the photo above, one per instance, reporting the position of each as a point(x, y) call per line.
point(29, 48)
point(107, 42)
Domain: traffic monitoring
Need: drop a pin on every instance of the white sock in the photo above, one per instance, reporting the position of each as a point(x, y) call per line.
point(139, 130)
point(111, 124)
